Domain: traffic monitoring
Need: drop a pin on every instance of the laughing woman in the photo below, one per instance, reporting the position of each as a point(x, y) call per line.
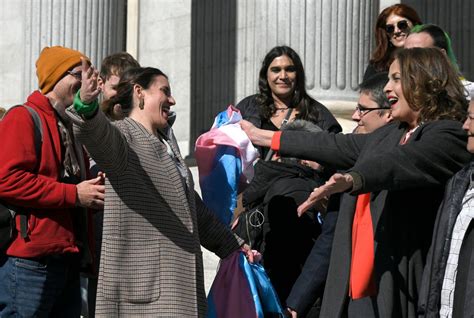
point(391, 30)
point(154, 222)
point(396, 177)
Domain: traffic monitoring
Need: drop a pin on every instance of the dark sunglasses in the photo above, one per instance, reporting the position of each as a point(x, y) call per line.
point(402, 26)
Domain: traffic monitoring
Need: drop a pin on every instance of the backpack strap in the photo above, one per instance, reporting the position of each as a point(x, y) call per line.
point(38, 132)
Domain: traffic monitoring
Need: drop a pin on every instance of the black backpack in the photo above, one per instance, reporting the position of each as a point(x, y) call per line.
point(250, 226)
point(8, 212)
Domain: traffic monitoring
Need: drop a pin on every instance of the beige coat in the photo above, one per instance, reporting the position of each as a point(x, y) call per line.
point(151, 259)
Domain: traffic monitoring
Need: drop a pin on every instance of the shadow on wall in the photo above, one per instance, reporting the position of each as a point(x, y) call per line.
point(213, 56)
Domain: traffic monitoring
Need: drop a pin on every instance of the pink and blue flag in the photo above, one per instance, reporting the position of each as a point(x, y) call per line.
point(242, 289)
point(224, 157)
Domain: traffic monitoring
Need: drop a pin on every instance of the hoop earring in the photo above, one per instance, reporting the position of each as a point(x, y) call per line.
point(141, 104)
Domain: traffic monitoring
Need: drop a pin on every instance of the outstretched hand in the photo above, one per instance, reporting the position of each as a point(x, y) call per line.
point(259, 137)
point(337, 183)
point(248, 128)
point(90, 88)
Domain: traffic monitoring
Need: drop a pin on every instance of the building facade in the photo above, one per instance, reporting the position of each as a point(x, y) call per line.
point(212, 49)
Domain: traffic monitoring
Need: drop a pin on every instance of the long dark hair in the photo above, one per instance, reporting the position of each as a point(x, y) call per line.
point(383, 53)
point(142, 76)
point(431, 85)
point(300, 99)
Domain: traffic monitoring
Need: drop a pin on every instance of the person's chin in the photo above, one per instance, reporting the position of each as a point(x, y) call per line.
point(399, 41)
point(283, 93)
point(470, 144)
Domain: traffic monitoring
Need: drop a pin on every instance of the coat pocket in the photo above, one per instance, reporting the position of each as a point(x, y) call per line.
point(130, 270)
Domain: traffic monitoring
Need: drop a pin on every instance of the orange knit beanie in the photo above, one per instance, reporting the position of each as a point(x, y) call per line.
point(53, 63)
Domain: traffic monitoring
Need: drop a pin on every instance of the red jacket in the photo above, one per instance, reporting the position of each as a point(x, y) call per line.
point(50, 203)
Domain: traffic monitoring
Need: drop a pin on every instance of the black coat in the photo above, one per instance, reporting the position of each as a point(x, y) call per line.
point(283, 188)
point(279, 188)
point(250, 111)
point(430, 293)
point(307, 292)
point(406, 184)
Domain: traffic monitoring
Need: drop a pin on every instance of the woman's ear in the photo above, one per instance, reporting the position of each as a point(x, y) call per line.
point(138, 91)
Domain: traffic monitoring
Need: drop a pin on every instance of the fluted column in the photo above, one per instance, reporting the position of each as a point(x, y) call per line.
point(94, 27)
point(333, 38)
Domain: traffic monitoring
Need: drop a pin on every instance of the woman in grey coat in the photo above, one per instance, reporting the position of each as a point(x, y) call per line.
point(154, 221)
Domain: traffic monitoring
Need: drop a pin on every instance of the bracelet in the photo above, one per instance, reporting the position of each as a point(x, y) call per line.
point(86, 110)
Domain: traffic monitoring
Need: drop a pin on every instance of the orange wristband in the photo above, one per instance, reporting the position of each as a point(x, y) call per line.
point(276, 141)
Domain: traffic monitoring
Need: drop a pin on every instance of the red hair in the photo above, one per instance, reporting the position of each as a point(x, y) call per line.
point(382, 56)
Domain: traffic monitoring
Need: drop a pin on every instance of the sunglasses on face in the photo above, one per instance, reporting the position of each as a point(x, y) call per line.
point(402, 26)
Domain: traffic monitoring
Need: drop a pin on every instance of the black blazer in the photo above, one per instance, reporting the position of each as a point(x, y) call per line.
point(433, 275)
point(406, 184)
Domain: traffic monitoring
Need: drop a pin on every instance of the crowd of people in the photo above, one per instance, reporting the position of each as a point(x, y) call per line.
point(373, 223)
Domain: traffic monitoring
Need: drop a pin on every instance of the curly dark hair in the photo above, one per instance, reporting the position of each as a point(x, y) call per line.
point(300, 99)
point(431, 85)
point(383, 53)
point(142, 76)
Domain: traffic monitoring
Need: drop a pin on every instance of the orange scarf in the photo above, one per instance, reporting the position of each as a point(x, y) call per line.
point(362, 263)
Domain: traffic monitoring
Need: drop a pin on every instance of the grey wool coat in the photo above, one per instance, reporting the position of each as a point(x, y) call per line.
point(154, 224)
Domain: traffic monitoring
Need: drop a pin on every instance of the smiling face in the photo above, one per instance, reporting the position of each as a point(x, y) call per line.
point(400, 32)
point(158, 101)
point(281, 77)
point(469, 127)
point(398, 104)
point(369, 120)
point(65, 89)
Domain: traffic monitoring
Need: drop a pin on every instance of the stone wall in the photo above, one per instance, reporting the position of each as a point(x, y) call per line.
point(94, 27)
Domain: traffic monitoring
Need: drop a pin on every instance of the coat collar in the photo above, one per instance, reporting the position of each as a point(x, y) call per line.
point(41, 101)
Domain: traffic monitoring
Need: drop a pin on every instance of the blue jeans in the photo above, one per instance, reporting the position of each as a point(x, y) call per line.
point(43, 287)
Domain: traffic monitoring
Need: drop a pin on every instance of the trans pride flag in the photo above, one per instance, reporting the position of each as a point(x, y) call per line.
point(242, 289)
point(224, 157)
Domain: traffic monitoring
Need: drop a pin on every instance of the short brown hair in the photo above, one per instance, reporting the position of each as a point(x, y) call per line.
point(431, 85)
point(116, 64)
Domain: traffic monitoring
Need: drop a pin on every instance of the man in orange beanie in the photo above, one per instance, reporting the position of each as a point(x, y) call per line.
point(40, 266)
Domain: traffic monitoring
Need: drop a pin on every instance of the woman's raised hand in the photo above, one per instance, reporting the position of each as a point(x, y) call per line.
point(90, 86)
point(337, 183)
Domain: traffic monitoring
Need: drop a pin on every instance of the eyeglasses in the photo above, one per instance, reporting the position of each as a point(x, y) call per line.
point(402, 26)
point(77, 75)
point(365, 110)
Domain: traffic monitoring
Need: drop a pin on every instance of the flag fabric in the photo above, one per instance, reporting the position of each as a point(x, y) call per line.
point(224, 157)
point(242, 289)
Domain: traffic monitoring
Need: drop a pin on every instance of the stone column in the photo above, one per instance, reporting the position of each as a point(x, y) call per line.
point(94, 27)
point(333, 39)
